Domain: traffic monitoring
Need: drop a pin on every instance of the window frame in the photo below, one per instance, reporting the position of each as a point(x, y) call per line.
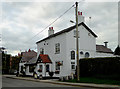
point(72, 53)
point(87, 55)
point(47, 66)
point(57, 48)
point(73, 64)
point(41, 50)
point(57, 67)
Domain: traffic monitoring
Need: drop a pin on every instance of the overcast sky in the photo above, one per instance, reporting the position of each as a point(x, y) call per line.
point(23, 20)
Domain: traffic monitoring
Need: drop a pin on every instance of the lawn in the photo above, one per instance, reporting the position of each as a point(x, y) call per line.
point(95, 81)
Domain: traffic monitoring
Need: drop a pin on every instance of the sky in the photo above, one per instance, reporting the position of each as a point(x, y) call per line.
point(21, 22)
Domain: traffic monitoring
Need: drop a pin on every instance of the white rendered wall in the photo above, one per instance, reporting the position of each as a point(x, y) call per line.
point(21, 64)
point(98, 54)
point(50, 50)
point(86, 44)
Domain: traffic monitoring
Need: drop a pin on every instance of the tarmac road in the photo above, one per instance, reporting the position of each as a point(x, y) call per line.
point(13, 83)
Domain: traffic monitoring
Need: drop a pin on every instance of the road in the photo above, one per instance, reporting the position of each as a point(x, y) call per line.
point(7, 82)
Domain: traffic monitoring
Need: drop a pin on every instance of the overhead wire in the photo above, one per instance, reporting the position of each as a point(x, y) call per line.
point(51, 23)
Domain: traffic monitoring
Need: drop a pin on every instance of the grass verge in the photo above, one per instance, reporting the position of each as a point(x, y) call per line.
point(95, 81)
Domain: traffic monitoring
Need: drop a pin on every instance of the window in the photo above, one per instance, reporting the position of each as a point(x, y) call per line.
point(31, 68)
point(57, 71)
point(75, 33)
point(47, 68)
point(87, 55)
point(41, 51)
point(57, 66)
point(57, 48)
point(40, 67)
point(72, 54)
point(72, 65)
point(81, 52)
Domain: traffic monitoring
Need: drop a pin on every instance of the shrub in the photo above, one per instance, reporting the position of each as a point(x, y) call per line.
point(108, 67)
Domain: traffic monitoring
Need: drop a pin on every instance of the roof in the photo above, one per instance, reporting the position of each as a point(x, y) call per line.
point(103, 49)
point(32, 61)
point(26, 56)
point(44, 58)
point(67, 30)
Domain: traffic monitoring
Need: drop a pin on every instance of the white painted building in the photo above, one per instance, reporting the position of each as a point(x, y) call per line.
point(61, 47)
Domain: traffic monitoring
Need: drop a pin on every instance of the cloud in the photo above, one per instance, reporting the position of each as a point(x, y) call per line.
point(23, 20)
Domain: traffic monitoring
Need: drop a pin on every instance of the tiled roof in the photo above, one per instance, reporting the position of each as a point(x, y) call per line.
point(44, 58)
point(103, 49)
point(67, 30)
point(32, 61)
point(26, 56)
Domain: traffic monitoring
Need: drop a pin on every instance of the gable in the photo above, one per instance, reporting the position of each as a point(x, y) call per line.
point(43, 58)
point(67, 30)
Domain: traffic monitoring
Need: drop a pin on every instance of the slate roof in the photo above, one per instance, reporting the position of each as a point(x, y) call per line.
point(103, 49)
point(32, 61)
point(42, 58)
point(27, 56)
point(67, 30)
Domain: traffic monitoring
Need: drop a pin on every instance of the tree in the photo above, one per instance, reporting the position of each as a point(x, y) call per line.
point(15, 62)
point(117, 51)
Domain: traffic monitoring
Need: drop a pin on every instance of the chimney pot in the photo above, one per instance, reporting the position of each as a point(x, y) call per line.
point(106, 44)
point(80, 17)
point(50, 31)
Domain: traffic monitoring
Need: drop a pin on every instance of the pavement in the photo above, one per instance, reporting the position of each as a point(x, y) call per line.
point(55, 81)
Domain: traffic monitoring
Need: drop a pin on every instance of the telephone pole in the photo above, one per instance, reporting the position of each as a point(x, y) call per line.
point(77, 42)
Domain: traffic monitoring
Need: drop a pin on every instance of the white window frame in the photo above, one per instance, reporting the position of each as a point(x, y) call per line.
point(41, 50)
point(57, 67)
point(72, 58)
point(73, 64)
point(57, 48)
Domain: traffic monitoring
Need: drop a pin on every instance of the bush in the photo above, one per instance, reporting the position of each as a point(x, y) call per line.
point(108, 67)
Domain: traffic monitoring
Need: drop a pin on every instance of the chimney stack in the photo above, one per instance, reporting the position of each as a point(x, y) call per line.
point(50, 31)
point(106, 44)
point(80, 17)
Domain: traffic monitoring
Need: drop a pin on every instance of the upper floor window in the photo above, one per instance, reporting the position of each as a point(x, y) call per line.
point(41, 51)
point(75, 33)
point(57, 48)
point(72, 54)
point(87, 55)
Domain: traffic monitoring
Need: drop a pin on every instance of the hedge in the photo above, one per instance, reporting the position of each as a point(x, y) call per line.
point(108, 67)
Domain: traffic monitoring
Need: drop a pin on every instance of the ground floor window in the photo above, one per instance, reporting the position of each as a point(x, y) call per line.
point(31, 68)
point(87, 55)
point(57, 66)
point(47, 68)
point(21, 68)
point(40, 68)
point(73, 65)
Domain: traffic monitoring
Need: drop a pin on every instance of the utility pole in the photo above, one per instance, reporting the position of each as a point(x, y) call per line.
point(77, 42)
